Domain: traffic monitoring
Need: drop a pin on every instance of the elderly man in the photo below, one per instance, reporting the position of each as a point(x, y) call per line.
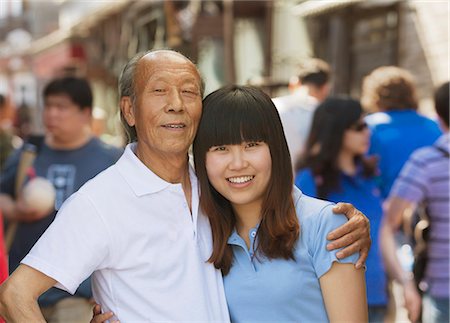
point(137, 226)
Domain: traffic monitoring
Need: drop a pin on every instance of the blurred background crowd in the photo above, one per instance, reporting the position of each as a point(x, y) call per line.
point(268, 44)
point(257, 42)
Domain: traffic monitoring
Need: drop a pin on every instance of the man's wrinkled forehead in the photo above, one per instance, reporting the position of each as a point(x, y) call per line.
point(159, 61)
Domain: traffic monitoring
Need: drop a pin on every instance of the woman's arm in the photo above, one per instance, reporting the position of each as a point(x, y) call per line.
point(344, 293)
point(395, 208)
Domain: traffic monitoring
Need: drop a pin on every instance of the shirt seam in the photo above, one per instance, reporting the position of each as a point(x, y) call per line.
point(111, 241)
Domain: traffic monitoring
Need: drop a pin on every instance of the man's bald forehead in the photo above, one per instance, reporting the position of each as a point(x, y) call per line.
point(161, 56)
point(166, 54)
point(158, 58)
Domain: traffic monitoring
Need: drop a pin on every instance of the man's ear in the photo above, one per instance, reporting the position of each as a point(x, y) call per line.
point(87, 112)
point(126, 107)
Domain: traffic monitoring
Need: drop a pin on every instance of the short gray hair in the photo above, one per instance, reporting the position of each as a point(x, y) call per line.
point(127, 88)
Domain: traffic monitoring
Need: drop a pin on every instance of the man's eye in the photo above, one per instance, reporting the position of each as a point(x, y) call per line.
point(189, 92)
point(159, 90)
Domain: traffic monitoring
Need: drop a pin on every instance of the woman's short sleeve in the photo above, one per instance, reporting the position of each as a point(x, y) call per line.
point(316, 233)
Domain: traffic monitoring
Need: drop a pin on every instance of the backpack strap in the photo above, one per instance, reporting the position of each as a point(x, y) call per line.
point(29, 152)
point(443, 151)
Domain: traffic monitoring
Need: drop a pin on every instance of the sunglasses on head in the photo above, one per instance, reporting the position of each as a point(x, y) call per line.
point(358, 127)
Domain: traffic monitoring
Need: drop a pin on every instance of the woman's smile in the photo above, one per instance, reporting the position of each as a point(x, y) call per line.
point(240, 179)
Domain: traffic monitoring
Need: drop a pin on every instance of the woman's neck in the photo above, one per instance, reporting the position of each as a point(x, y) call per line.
point(248, 216)
point(346, 163)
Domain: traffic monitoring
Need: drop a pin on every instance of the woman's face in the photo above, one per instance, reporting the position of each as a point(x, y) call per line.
point(240, 173)
point(356, 139)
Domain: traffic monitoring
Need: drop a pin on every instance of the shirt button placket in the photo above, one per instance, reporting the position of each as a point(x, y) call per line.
point(252, 235)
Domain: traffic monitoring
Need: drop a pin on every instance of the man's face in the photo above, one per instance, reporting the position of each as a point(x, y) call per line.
point(63, 119)
point(168, 104)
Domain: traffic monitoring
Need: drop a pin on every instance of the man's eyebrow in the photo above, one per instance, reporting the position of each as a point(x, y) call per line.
point(162, 78)
point(190, 80)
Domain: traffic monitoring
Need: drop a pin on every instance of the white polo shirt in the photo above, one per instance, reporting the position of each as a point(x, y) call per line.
point(147, 252)
point(296, 113)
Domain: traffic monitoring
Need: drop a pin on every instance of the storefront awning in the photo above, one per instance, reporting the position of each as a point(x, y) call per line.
point(316, 7)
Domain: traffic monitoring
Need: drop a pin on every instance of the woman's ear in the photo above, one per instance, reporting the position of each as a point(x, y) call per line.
point(126, 106)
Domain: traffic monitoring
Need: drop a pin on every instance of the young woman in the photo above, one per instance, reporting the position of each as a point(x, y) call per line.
point(334, 168)
point(269, 238)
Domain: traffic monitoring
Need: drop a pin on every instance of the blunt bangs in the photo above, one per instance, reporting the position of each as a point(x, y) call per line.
point(234, 118)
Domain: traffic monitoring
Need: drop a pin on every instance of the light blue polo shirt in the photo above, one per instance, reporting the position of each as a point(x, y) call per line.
point(365, 195)
point(258, 289)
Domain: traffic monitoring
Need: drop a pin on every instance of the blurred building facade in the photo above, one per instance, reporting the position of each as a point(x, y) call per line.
point(258, 42)
point(357, 36)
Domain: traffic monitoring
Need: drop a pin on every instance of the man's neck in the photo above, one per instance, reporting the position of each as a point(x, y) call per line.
point(173, 168)
point(74, 143)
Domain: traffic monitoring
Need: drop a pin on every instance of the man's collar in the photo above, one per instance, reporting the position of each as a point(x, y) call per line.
point(140, 178)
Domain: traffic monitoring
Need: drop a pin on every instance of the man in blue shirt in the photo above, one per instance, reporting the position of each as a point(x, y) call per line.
point(397, 129)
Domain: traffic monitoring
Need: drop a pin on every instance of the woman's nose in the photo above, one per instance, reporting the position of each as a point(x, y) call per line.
point(238, 160)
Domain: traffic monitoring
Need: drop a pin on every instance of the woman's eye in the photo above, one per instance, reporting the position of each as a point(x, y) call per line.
point(217, 148)
point(252, 144)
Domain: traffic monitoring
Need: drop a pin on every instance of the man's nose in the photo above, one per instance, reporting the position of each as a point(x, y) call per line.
point(174, 101)
point(50, 110)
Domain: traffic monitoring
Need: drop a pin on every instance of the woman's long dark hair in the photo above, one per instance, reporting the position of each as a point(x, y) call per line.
point(231, 115)
point(331, 119)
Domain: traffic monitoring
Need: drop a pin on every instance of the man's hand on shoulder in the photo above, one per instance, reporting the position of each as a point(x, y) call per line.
point(353, 236)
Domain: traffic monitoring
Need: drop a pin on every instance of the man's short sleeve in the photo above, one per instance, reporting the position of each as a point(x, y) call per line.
point(74, 246)
point(322, 224)
point(412, 183)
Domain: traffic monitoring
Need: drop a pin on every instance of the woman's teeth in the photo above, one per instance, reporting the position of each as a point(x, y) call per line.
point(240, 180)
